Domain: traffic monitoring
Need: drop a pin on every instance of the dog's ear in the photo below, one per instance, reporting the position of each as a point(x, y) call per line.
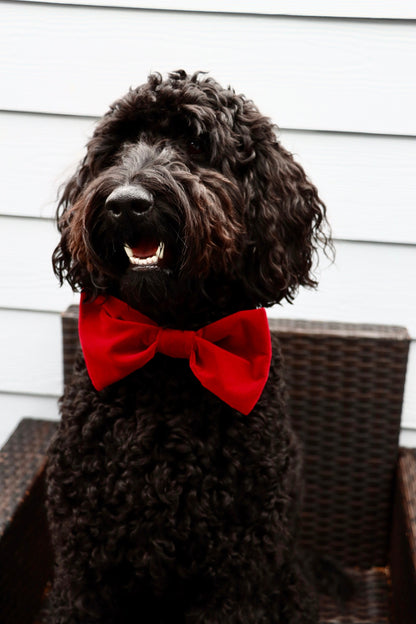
point(286, 219)
point(69, 259)
point(65, 263)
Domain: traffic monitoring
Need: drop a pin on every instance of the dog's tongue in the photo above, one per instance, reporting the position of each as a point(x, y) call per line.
point(145, 249)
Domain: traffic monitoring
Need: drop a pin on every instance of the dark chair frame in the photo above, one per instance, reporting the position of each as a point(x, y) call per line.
point(345, 387)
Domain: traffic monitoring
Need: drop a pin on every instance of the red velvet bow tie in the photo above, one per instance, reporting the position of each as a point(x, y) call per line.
point(230, 357)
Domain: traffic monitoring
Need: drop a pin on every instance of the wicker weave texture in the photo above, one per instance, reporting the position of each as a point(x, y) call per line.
point(25, 552)
point(345, 386)
point(70, 340)
point(403, 543)
point(370, 605)
point(21, 458)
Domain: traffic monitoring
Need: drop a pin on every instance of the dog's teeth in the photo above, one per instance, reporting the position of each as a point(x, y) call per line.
point(145, 261)
point(160, 251)
point(129, 251)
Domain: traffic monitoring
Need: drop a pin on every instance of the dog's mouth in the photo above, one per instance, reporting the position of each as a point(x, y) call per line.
point(146, 254)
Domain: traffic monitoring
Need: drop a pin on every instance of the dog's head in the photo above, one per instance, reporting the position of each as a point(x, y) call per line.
point(187, 207)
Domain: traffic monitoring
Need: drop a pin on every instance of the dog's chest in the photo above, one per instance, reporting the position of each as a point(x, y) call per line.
point(156, 432)
point(152, 454)
point(156, 459)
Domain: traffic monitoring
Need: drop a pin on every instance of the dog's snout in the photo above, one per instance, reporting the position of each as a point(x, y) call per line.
point(129, 200)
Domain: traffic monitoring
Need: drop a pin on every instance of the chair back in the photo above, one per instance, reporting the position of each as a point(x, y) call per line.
point(345, 387)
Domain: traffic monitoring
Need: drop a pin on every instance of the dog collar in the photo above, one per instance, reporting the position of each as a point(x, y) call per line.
point(230, 357)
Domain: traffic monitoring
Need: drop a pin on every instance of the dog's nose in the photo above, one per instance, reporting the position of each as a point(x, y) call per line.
point(128, 200)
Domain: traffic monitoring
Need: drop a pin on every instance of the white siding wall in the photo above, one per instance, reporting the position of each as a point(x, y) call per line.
point(337, 77)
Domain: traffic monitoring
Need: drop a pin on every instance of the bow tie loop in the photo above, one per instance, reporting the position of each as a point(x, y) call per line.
point(230, 357)
point(176, 343)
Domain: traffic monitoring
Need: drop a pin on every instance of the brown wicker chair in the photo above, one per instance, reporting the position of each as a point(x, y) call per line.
point(346, 389)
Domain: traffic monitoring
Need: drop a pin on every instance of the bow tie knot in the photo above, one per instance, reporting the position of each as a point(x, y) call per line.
point(176, 343)
point(230, 357)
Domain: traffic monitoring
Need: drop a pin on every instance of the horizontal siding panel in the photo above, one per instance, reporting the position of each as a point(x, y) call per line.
point(386, 9)
point(367, 283)
point(363, 179)
point(367, 182)
point(14, 407)
point(26, 276)
point(30, 345)
point(321, 74)
point(408, 438)
point(38, 153)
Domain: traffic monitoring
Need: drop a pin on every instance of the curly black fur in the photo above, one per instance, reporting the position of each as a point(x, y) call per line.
point(166, 505)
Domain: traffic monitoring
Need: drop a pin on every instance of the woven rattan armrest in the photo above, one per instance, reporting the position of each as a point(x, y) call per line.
point(25, 554)
point(403, 543)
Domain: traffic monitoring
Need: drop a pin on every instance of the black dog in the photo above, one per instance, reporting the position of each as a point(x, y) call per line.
point(168, 501)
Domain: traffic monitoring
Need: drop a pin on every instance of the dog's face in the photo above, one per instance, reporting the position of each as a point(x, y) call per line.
point(187, 207)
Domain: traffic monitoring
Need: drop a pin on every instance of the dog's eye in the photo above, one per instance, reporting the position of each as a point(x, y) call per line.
point(195, 147)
